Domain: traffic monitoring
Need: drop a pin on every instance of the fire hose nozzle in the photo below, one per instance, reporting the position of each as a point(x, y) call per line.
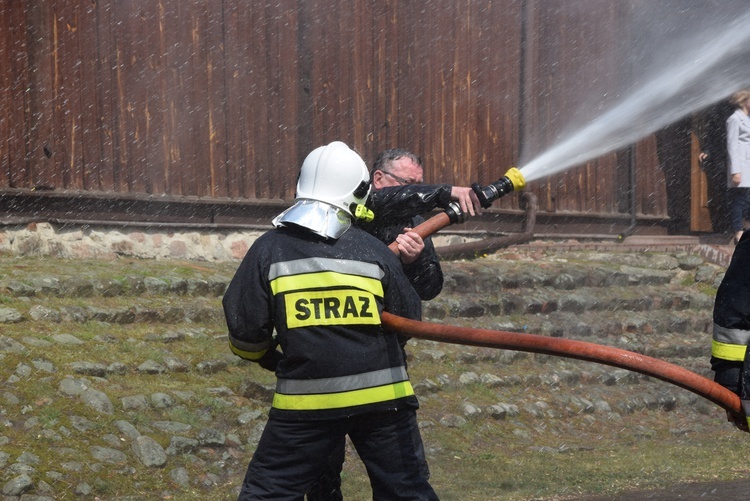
point(512, 180)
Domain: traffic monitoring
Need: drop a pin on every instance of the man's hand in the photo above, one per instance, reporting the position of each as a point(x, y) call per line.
point(410, 246)
point(736, 179)
point(467, 200)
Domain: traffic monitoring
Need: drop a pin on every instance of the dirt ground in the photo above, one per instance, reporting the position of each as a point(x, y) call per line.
point(723, 491)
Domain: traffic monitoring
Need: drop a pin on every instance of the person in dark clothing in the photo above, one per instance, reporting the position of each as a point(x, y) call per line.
point(399, 200)
point(730, 359)
point(322, 284)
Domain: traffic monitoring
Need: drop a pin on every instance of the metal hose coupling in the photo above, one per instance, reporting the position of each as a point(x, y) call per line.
point(455, 214)
point(512, 180)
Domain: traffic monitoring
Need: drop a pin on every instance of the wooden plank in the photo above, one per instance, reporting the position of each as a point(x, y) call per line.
point(124, 127)
point(41, 140)
point(283, 58)
point(215, 89)
point(171, 98)
point(91, 127)
point(384, 83)
point(103, 104)
point(68, 97)
point(7, 48)
point(235, 50)
point(255, 81)
point(152, 78)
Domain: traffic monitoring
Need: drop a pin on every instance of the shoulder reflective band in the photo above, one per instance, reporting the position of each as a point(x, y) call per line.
point(313, 264)
point(326, 279)
point(346, 399)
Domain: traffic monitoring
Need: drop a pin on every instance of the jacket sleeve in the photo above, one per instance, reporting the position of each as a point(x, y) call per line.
point(409, 200)
point(426, 274)
point(731, 317)
point(400, 298)
point(248, 311)
point(733, 145)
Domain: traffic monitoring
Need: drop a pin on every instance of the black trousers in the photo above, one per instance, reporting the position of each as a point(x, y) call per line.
point(328, 485)
point(291, 456)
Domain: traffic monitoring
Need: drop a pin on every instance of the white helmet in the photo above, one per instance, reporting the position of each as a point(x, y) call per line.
point(332, 188)
point(336, 175)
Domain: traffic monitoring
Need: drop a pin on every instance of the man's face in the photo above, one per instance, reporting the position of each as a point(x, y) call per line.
point(400, 172)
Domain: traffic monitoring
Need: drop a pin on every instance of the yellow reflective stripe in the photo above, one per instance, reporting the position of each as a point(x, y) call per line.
point(247, 355)
point(326, 279)
point(331, 307)
point(725, 351)
point(345, 399)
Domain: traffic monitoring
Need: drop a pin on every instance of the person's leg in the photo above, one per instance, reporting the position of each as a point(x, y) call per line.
point(390, 446)
point(287, 460)
point(737, 196)
point(328, 485)
point(745, 209)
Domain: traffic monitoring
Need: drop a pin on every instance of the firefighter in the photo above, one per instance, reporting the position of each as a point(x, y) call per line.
point(322, 284)
point(730, 359)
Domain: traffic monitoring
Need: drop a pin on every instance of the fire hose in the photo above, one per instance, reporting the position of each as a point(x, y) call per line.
point(534, 343)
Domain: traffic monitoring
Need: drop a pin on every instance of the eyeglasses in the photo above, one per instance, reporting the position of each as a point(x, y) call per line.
point(400, 180)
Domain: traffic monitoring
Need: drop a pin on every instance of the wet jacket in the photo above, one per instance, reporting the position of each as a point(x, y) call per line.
point(729, 358)
point(400, 207)
point(738, 148)
point(732, 307)
point(324, 298)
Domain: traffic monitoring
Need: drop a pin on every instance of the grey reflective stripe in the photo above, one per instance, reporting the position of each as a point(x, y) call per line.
point(315, 264)
point(731, 336)
point(250, 347)
point(745, 407)
point(343, 383)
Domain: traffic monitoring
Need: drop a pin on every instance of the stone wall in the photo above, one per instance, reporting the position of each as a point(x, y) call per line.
point(45, 239)
point(88, 242)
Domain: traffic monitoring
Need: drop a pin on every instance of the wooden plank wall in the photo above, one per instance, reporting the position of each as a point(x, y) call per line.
point(220, 99)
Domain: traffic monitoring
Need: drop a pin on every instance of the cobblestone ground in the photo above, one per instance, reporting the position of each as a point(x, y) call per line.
point(115, 379)
point(717, 491)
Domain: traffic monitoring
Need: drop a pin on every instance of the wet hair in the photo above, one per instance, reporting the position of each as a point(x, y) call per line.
point(385, 158)
point(739, 97)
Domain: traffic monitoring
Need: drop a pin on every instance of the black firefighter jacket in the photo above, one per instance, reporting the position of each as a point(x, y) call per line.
point(324, 298)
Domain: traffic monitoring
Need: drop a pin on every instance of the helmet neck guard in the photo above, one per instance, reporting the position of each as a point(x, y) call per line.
point(319, 217)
